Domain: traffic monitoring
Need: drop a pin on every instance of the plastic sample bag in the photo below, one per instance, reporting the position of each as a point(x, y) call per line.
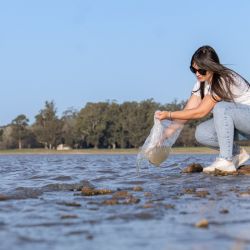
point(157, 146)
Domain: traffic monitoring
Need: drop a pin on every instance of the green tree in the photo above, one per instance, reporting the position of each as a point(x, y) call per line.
point(91, 123)
point(69, 132)
point(7, 139)
point(1, 134)
point(19, 129)
point(113, 129)
point(137, 120)
point(47, 126)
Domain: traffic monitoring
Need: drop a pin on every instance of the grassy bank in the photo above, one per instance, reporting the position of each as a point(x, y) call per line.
point(73, 151)
point(175, 150)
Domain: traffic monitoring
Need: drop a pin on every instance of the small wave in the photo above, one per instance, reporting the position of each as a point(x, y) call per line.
point(132, 216)
point(62, 178)
point(31, 192)
point(24, 238)
point(25, 192)
point(47, 224)
point(62, 187)
point(35, 177)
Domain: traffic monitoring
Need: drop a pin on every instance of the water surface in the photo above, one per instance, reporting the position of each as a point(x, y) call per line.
point(44, 208)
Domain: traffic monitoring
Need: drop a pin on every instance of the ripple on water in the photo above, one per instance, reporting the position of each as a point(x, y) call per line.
point(62, 178)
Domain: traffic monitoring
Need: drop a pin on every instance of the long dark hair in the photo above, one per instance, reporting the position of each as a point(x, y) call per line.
point(223, 78)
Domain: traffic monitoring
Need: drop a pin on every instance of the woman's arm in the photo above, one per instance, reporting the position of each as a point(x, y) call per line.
point(193, 102)
point(191, 111)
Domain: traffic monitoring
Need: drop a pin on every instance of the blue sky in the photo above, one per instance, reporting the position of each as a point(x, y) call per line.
point(74, 52)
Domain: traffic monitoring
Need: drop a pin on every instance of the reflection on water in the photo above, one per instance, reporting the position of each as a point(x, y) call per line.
point(42, 206)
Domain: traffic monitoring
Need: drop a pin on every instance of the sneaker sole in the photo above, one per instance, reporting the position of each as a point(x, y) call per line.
point(226, 171)
point(208, 171)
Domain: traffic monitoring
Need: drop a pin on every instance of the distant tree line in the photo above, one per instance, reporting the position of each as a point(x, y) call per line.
point(97, 125)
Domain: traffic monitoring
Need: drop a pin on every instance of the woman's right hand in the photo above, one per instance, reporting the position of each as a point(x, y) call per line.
point(161, 115)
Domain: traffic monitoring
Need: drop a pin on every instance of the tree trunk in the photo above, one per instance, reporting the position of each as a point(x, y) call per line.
point(20, 144)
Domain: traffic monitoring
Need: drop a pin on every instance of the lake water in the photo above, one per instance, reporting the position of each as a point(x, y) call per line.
point(45, 209)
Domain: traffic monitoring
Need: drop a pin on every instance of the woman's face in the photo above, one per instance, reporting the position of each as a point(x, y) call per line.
point(200, 74)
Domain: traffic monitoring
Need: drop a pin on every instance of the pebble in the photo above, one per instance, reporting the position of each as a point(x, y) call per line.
point(224, 211)
point(202, 223)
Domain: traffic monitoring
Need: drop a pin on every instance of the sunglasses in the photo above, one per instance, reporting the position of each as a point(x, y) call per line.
point(202, 72)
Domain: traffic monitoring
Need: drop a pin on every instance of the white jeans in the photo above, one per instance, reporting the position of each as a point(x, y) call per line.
point(230, 122)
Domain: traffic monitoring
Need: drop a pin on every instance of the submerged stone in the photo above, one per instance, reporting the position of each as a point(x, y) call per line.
point(202, 194)
point(121, 194)
point(87, 191)
point(189, 190)
point(3, 197)
point(131, 200)
point(245, 170)
point(148, 194)
point(121, 198)
point(89, 237)
point(169, 206)
point(196, 168)
point(148, 205)
point(70, 204)
point(137, 188)
point(110, 202)
point(245, 193)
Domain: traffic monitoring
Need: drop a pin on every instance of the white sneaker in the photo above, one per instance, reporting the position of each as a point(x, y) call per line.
point(222, 165)
point(241, 158)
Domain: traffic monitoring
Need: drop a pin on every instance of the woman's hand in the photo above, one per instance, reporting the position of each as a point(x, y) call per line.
point(162, 115)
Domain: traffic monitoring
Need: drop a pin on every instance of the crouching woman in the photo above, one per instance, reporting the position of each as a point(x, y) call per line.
point(226, 94)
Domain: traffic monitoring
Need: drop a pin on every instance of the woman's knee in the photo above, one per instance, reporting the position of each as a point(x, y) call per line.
point(205, 133)
point(221, 107)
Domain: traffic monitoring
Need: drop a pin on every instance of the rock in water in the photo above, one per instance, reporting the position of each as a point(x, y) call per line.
point(193, 168)
point(244, 170)
point(3, 197)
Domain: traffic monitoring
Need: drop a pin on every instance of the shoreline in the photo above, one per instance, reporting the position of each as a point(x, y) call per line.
point(134, 151)
point(174, 150)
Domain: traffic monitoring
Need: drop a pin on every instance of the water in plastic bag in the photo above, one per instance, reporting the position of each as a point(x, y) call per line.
point(157, 146)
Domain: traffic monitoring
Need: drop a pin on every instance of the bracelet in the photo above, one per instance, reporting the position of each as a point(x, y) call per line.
point(170, 115)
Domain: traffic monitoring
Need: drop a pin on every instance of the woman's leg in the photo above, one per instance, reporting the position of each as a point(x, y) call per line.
point(228, 117)
point(206, 135)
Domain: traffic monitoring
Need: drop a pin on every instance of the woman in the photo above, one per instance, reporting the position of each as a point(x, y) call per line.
point(225, 93)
